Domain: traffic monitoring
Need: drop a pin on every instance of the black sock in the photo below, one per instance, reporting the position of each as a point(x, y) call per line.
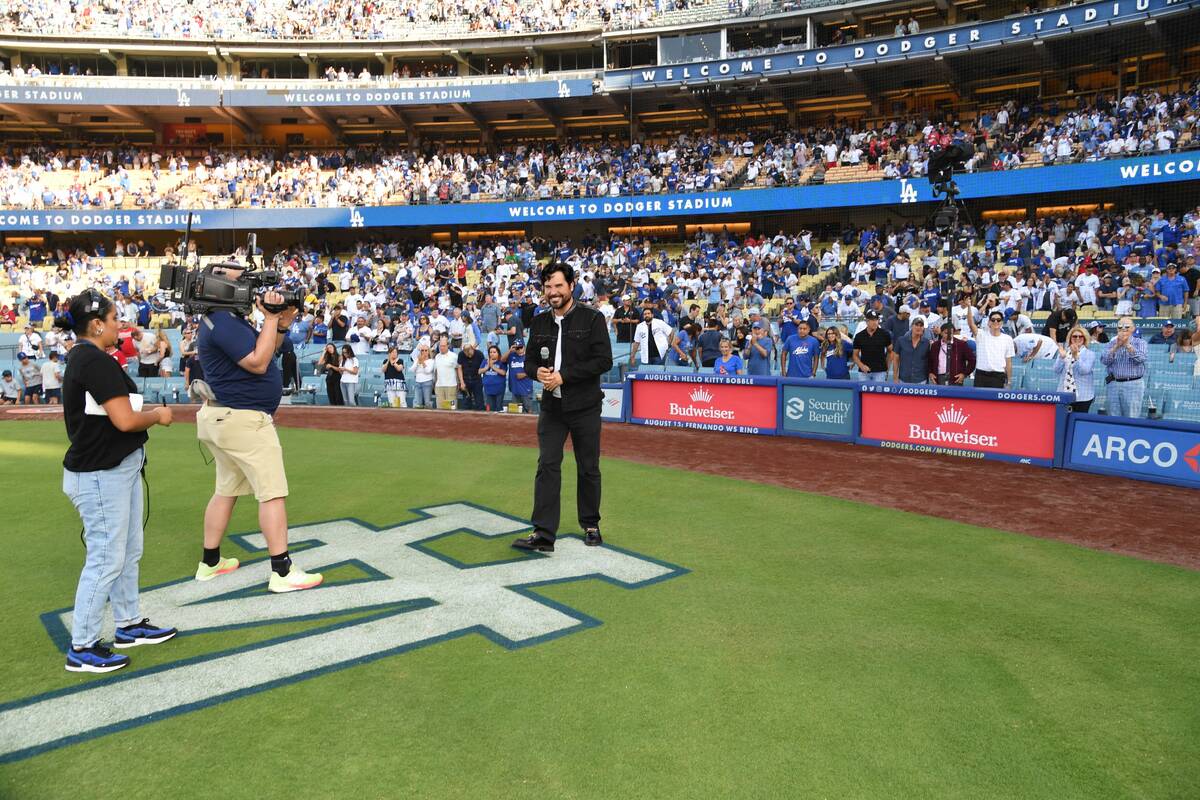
point(281, 564)
point(212, 556)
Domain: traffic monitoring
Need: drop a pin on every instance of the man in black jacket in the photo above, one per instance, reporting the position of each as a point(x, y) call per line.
point(568, 351)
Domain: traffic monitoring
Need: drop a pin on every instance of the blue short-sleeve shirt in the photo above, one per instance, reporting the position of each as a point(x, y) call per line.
point(222, 345)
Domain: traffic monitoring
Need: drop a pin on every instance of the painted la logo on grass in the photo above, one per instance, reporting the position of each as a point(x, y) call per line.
point(409, 597)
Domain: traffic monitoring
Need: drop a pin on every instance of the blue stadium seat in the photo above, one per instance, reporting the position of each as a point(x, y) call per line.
point(152, 390)
point(1183, 406)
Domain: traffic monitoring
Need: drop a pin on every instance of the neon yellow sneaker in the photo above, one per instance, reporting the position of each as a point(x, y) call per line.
point(294, 581)
point(226, 565)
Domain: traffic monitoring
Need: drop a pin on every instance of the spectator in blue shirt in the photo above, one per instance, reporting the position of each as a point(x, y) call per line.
point(679, 352)
point(799, 353)
point(1172, 291)
point(37, 310)
point(730, 363)
point(1166, 336)
point(519, 383)
point(494, 378)
point(835, 354)
point(760, 350)
point(709, 342)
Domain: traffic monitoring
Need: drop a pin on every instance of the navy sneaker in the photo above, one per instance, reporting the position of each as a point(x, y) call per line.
point(96, 658)
point(143, 632)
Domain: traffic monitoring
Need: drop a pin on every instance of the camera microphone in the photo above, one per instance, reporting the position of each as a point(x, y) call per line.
point(545, 354)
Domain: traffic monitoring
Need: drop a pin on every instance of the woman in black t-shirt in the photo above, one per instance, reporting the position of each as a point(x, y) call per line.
point(101, 475)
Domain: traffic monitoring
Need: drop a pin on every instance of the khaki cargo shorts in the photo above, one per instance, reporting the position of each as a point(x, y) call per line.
point(246, 449)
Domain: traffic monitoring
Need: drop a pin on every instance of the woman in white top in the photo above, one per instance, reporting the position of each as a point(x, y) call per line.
point(380, 338)
point(349, 370)
point(164, 352)
point(423, 370)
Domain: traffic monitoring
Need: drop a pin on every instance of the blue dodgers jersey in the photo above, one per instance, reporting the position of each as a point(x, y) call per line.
point(222, 345)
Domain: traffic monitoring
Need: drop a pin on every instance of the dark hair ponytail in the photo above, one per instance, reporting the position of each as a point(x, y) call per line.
point(82, 309)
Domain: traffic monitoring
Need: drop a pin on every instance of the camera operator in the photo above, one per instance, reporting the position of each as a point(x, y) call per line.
point(236, 425)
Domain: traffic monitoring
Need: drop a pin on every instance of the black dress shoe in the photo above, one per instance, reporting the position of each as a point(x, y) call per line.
point(534, 542)
point(591, 537)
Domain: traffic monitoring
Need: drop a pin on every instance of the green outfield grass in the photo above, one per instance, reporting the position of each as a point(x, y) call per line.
point(815, 648)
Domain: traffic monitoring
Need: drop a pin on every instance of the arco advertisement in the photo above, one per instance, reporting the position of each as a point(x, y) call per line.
point(711, 403)
point(973, 423)
point(1163, 452)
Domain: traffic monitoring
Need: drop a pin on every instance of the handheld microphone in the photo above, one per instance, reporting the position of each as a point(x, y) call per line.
point(545, 353)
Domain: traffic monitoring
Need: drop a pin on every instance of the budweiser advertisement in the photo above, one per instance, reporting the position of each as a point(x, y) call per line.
point(974, 423)
point(712, 403)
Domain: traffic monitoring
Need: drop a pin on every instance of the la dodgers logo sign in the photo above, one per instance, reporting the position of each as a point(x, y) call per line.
point(411, 597)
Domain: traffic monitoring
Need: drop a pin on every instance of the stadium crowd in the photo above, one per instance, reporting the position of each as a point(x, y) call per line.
point(125, 176)
point(676, 305)
point(320, 19)
point(1009, 136)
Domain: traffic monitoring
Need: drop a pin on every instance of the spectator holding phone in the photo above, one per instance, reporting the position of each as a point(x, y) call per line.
point(423, 374)
point(328, 365)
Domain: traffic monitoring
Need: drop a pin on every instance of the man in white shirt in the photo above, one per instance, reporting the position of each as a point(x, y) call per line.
point(445, 379)
point(1087, 282)
point(30, 342)
point(52, 373)
point(994, 351)
point(148, 355)
point(1033, 345)
point(650, 339)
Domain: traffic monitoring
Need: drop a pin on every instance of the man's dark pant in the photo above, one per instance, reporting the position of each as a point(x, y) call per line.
point(989, 380)
point(473, 397)
point(291, 370)
point(553, 426)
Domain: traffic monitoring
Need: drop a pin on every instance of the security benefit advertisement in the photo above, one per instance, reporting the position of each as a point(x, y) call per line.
point(711, 403)
point(821, 409)
point(974, 423)
point(1165, 452)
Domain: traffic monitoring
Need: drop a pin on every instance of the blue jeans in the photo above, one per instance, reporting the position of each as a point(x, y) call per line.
point(423, 398)
point(873, 377)
point(495, 401)
point(109, 502)
point(1125, 398)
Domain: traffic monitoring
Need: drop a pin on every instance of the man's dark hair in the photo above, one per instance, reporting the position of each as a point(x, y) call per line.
point(568, 272)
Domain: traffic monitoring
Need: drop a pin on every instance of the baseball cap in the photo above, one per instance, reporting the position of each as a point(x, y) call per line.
point(6, 374)
point(903, 309)
point(1168, 324)
point(22, 356)
point(871, 315)
point(757, 325)
point(518, 342)
point(1095, 324)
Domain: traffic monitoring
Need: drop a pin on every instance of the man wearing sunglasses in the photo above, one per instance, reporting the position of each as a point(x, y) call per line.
point(994, 351)
point(1125, 358)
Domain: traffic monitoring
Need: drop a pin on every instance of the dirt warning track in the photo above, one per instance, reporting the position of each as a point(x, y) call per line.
point(1052, 504)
